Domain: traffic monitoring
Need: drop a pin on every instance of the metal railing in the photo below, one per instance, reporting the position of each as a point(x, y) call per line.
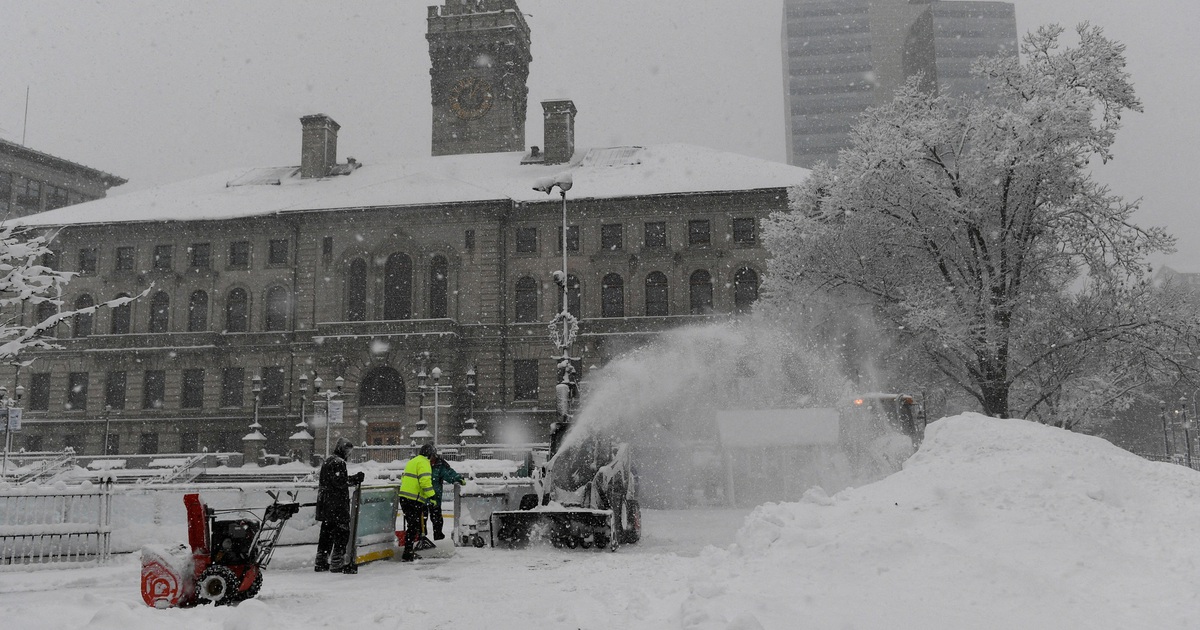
point(185, 472)
point(46, 468)
point(51, 527)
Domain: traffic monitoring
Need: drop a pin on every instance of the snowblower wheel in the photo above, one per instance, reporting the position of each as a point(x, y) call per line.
point(477, 541)
point(251, 592)
point(217, 584)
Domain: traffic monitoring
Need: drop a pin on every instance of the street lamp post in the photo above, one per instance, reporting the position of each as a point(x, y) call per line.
point(9, 404)
point(567, 387)
point(1187, 429)
point(1162, 414)
point(107, 422)
point(303, 399)
point(328, 395)
point(257, 389)
point(437, 387)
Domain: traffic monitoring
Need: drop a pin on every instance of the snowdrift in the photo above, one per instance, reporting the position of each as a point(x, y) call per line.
point(992, 524)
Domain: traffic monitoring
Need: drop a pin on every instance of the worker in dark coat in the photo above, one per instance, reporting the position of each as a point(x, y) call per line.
point(333, 510)
point(442, 473)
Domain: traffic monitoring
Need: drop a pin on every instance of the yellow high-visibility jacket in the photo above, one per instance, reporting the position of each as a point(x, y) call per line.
point(417, 482)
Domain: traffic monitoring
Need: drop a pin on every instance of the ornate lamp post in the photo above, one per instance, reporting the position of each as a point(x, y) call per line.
point(1162, 414)
point(303, 441)
point(564, 327)
point(437, 388)
point(470, 430)
point(9, 405)
point(104, 450)
point(328, 395)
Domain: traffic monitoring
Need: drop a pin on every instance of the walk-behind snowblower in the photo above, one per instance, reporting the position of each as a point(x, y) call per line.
point(229, 550)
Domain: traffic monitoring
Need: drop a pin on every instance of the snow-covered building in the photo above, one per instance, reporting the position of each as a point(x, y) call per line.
point(376, 272)
point(32, 181)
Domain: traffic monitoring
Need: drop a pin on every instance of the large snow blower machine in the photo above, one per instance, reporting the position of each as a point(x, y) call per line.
point(229, 550)
point(584, 497)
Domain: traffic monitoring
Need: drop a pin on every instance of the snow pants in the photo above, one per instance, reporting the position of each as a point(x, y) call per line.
point(331, 545)
point(414, 514)
point(435, 516)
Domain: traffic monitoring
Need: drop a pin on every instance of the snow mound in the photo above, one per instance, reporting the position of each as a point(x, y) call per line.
point(992, 523)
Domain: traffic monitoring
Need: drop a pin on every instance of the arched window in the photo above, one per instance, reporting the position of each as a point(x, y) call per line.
point(612, 296)
point(656, 294)
point(83, 321)
point(381, 386)
point(701, 292)
point(278, 309)
point(160, 311)
point(573, 297)
point(237, 311)
point(122, 317)
point(198, 311)
point(397, 287)
point(356, 291)
point(46, 310)
point(438, 270)
point(745, 289)
point(527, 300)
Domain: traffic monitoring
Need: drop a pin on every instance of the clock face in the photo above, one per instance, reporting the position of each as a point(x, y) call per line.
point(471, 98)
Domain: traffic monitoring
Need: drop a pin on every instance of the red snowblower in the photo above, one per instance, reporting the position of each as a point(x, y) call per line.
point(229, 550)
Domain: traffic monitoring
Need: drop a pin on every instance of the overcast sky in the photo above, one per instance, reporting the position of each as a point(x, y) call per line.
point(162, 91)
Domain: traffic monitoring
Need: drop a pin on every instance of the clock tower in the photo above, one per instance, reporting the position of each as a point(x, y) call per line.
point(480, 55)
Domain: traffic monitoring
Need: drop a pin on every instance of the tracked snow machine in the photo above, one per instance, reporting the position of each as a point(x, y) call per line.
point(584, 497)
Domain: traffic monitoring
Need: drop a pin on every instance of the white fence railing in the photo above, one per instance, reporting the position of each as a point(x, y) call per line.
point(44, 526)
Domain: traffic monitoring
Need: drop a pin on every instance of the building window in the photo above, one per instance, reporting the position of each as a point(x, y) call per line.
point(744, 231)
point(382, 386)
point(46, 310)
point(189, 442)
point(611, 236)
point(89, 260)
point(114, 390)
point(656, 234)
point(163, 255)
point(327, 248)
point(33, 443)
point(700, 292)
point(745, 289)
point(699, 232)
point(656, 295)
point(525, 379)
point(39, 391)
point(73, 441)
point(612, 296)
point(237, 311)
point(56, 197)
point(114, 444)
point(573, 297)
point(201, 255)
point(469, 240)
point(6, 188)
point(526, 240)
point(397, 287)
point(77, 391)
point(272, 387)
point(122, 317)
point(277, 252)
point(83, 321)
point(197, 311)
point(439, 269)
point(154, 388)
point(356, 291)
point(572, 238)
point(29, 194)
point(148, 444)
point(126, 260)
point(239, 255)
point(278, 308)
point(527, 300)
point(233, 380)
point(160, 311)
point(192, 396)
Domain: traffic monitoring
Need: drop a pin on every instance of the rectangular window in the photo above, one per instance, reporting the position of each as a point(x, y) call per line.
point(88, 260)
point(611, 236)
point(114, 444)
point(525, 379)
point(33, 443)
point(162, 257)
point(201, 255)
point(744, 231)
point(572, 238)
point(154, 389)
point(148, 444)
point(189, 442)
point(125, 259)
point(192, 396)
point(114, 390)
point(239, 255)
point(327, 248)
point(29, 194)
point(526, 240)
point(232, 385)
point(656, 234)
point(74, 441)
point(272, 387)
point(469, 239)
point(277, 251)
point(56, 197)
point(6, 187)
point(39, 392)
point(699, 232)
point(77, 391)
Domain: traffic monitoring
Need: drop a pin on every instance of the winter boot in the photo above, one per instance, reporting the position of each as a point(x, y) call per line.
point(438, 535)
point(409, 556)
point(320, 568)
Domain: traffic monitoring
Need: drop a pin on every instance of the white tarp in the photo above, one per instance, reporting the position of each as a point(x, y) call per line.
point(755, 428)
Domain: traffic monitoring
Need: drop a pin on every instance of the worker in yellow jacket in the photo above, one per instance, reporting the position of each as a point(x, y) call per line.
point(416, 494)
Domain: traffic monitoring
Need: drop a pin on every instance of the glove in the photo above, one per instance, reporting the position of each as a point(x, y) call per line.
point(462, 482)
point(432, 503)
point(357, 478)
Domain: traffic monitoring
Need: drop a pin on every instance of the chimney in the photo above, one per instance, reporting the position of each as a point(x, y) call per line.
point(560, 131)
point(318, 145)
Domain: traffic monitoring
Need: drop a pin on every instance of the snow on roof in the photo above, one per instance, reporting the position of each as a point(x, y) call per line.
point(598, 174)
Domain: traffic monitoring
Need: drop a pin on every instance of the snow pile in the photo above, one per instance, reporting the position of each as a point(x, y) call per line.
point(992, 524)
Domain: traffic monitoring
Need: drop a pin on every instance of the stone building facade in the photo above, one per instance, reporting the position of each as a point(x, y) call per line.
point(32, 181)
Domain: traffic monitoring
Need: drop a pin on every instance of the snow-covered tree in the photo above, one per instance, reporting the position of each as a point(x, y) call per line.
point(972, 227)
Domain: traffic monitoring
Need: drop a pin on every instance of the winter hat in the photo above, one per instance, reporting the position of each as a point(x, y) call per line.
point(343, 447)
point(427, 450)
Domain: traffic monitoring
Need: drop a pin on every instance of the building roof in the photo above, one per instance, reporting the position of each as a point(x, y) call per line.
point(59, 164)
point(255, 192)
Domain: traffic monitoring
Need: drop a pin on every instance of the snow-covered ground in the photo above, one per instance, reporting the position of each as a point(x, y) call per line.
point(992, 524)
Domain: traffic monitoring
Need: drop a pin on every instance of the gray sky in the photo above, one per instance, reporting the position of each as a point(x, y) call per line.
point(161, 91)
